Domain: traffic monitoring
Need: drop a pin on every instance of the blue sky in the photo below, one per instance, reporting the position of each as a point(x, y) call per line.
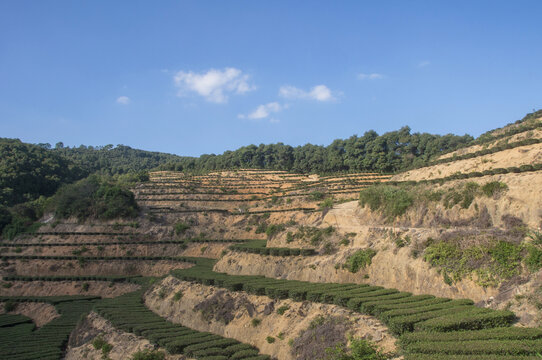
point(194, 77)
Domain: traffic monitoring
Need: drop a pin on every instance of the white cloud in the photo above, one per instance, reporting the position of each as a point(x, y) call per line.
point(214, 85)
point(371, 76)
point(274, 121)
point(318, 92)
point(123, 100)
point(424, 63)
point(263, 111)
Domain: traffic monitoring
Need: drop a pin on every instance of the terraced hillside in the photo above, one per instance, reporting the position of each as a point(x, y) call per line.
point(440, 262)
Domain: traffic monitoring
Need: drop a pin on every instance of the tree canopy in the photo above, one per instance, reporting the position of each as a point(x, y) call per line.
point(390, 152)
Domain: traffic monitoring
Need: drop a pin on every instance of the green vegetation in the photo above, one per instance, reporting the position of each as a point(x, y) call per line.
point(392, 201)
point(490, 263)
point(273, 229)
point(326, 204)
point(313, 234)
point(21, 342)
point(533, 260)
point(30, 171)
point(390, 152)
point(94, 197)
point(181, 227)
point(100, 344)
point(128, 313)
point(10, 306)
point(260, 247)
point(463, 195)
point(359, 260)
point(178, 295)
point(281, 310)
point(148, 355)
point(360, 349)
point(493, 188)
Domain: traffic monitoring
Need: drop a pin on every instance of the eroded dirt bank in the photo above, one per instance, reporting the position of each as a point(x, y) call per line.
point(98, 268)
point(211, 250)
point(56, 288)
point(254, 319)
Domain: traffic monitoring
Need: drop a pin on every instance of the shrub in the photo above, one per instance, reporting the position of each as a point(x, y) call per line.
point(493, 188)
point(106, 349)
point(326, 204)
point(392, 201)
point(181, 227)
point(273, 229)
point(492, 262)
point(360, 259)
point(10, 306)
point(270, 339)
point(360, 349)
point(255, 322)
point(281, 310)
point(178, 295)
point(317, 195)
point(98, 342)
point(533, 260)
point(148, 355)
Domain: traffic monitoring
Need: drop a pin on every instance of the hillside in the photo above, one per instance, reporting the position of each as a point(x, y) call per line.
point(440, 260)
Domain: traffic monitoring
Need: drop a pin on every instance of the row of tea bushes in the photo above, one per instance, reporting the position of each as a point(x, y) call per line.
point(431, 327)
point(20, 342)
point(128, 313)
point(13, 319)
point(355, 296)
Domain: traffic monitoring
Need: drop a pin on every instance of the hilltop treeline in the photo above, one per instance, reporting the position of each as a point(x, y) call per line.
point(390, 152)
point(28, 171)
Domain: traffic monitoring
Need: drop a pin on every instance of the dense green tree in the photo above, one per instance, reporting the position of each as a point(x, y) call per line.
point(94, 197)
point(28, 171)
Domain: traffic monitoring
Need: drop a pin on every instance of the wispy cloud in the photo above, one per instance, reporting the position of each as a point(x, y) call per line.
point(214, 85)
point(371, 76)
point(123, 100)
point(263, 111)
point(424, 63)
point(318, 93)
